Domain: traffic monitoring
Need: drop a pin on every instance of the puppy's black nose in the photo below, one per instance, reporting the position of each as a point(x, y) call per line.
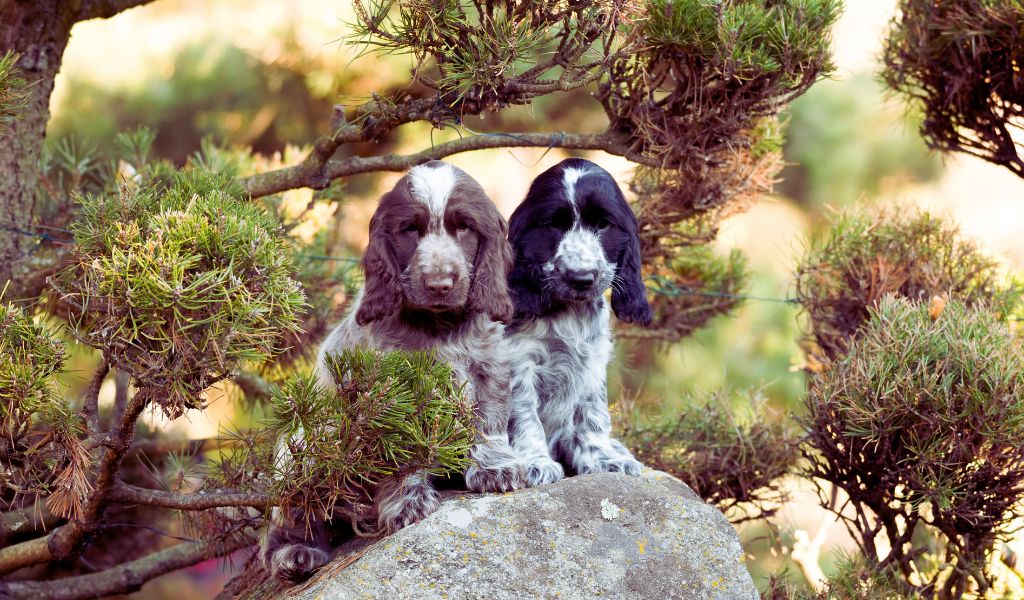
point(580, 280)
point(439, 285)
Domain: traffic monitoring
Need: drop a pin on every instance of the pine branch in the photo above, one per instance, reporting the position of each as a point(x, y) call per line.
point(27, 553)
point(316, 171)
point(125, 578)
point(129, 494)
point(91, 404)
point(65, 540)
point(253, 386)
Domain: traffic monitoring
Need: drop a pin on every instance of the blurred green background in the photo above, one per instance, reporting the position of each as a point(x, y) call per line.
point(265, 73)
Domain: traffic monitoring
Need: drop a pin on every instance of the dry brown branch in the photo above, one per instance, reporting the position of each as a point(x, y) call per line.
point(91, 404)
point(125, 578)
point(129, 494)
point(316, 171)
point(67, 539)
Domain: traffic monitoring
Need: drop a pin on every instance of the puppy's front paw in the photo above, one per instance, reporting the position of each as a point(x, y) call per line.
point(627, 465)
point(498, 478)
point(543, 470)
point(295, 563)
point(407, 504)
point(616, 463)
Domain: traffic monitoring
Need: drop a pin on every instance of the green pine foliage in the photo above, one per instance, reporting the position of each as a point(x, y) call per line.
point(180, 284)
point(30, 358)
point(12, 90)
point(747, 38)
point(39, 447)
point(921, 424)
point(389, 413)
point(864, 257)
point(695, 285)
point(703, 72)
point(732, 463)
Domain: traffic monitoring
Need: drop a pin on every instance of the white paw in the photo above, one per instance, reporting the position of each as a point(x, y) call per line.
point(543, 470)
point(499, 478)
point(405, 509)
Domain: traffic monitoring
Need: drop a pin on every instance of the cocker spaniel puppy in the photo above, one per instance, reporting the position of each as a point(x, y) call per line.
point(574, 236)
point(436, 279)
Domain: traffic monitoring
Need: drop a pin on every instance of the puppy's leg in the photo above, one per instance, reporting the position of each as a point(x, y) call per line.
point(496, 468)
point(590, 447)
point(526, 432)
point(404, 499)
point(292, 552)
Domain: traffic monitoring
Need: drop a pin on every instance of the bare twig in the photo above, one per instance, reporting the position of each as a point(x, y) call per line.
point(316, 173)
point(130, 494)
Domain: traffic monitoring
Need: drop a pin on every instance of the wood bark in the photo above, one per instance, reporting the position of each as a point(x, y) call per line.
point(38, 30)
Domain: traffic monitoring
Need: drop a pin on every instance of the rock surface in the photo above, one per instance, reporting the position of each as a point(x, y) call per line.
point(592, 536)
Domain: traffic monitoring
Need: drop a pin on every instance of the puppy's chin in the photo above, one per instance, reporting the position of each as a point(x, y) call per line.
point(443, 305)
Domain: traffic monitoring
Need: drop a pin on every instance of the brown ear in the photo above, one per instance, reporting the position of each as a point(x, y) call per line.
point(382, 292)
point(493, 262)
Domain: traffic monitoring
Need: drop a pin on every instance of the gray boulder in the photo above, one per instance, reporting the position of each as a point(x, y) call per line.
point(592, 536)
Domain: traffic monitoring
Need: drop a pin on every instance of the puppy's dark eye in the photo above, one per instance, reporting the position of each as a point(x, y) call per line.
point(596, 219)
point(462, 226)
point(409, 228)
point(561, 220)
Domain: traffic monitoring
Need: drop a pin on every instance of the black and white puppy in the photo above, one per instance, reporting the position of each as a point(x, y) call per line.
point(574, 237)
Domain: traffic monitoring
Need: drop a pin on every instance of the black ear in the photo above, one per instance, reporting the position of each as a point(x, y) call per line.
point(629, 297)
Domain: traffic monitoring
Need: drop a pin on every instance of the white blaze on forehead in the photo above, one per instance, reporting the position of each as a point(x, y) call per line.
point(569, 178)
point(432, 184)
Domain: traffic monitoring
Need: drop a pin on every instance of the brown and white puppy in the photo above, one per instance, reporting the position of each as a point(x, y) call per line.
point(436, 269)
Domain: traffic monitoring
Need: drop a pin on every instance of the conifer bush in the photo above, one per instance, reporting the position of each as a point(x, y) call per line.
point(732, 463)
point(863, 257)
point(959, 62)
point(179, 285)
point(921, 425)
point(389, 413)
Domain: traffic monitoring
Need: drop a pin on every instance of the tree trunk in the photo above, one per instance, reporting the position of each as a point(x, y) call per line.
point(39, 32)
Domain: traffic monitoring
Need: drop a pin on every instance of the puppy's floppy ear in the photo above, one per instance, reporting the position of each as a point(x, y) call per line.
point(629, 298)
point(489, 293)
point(527, 276)
point(382, 292)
